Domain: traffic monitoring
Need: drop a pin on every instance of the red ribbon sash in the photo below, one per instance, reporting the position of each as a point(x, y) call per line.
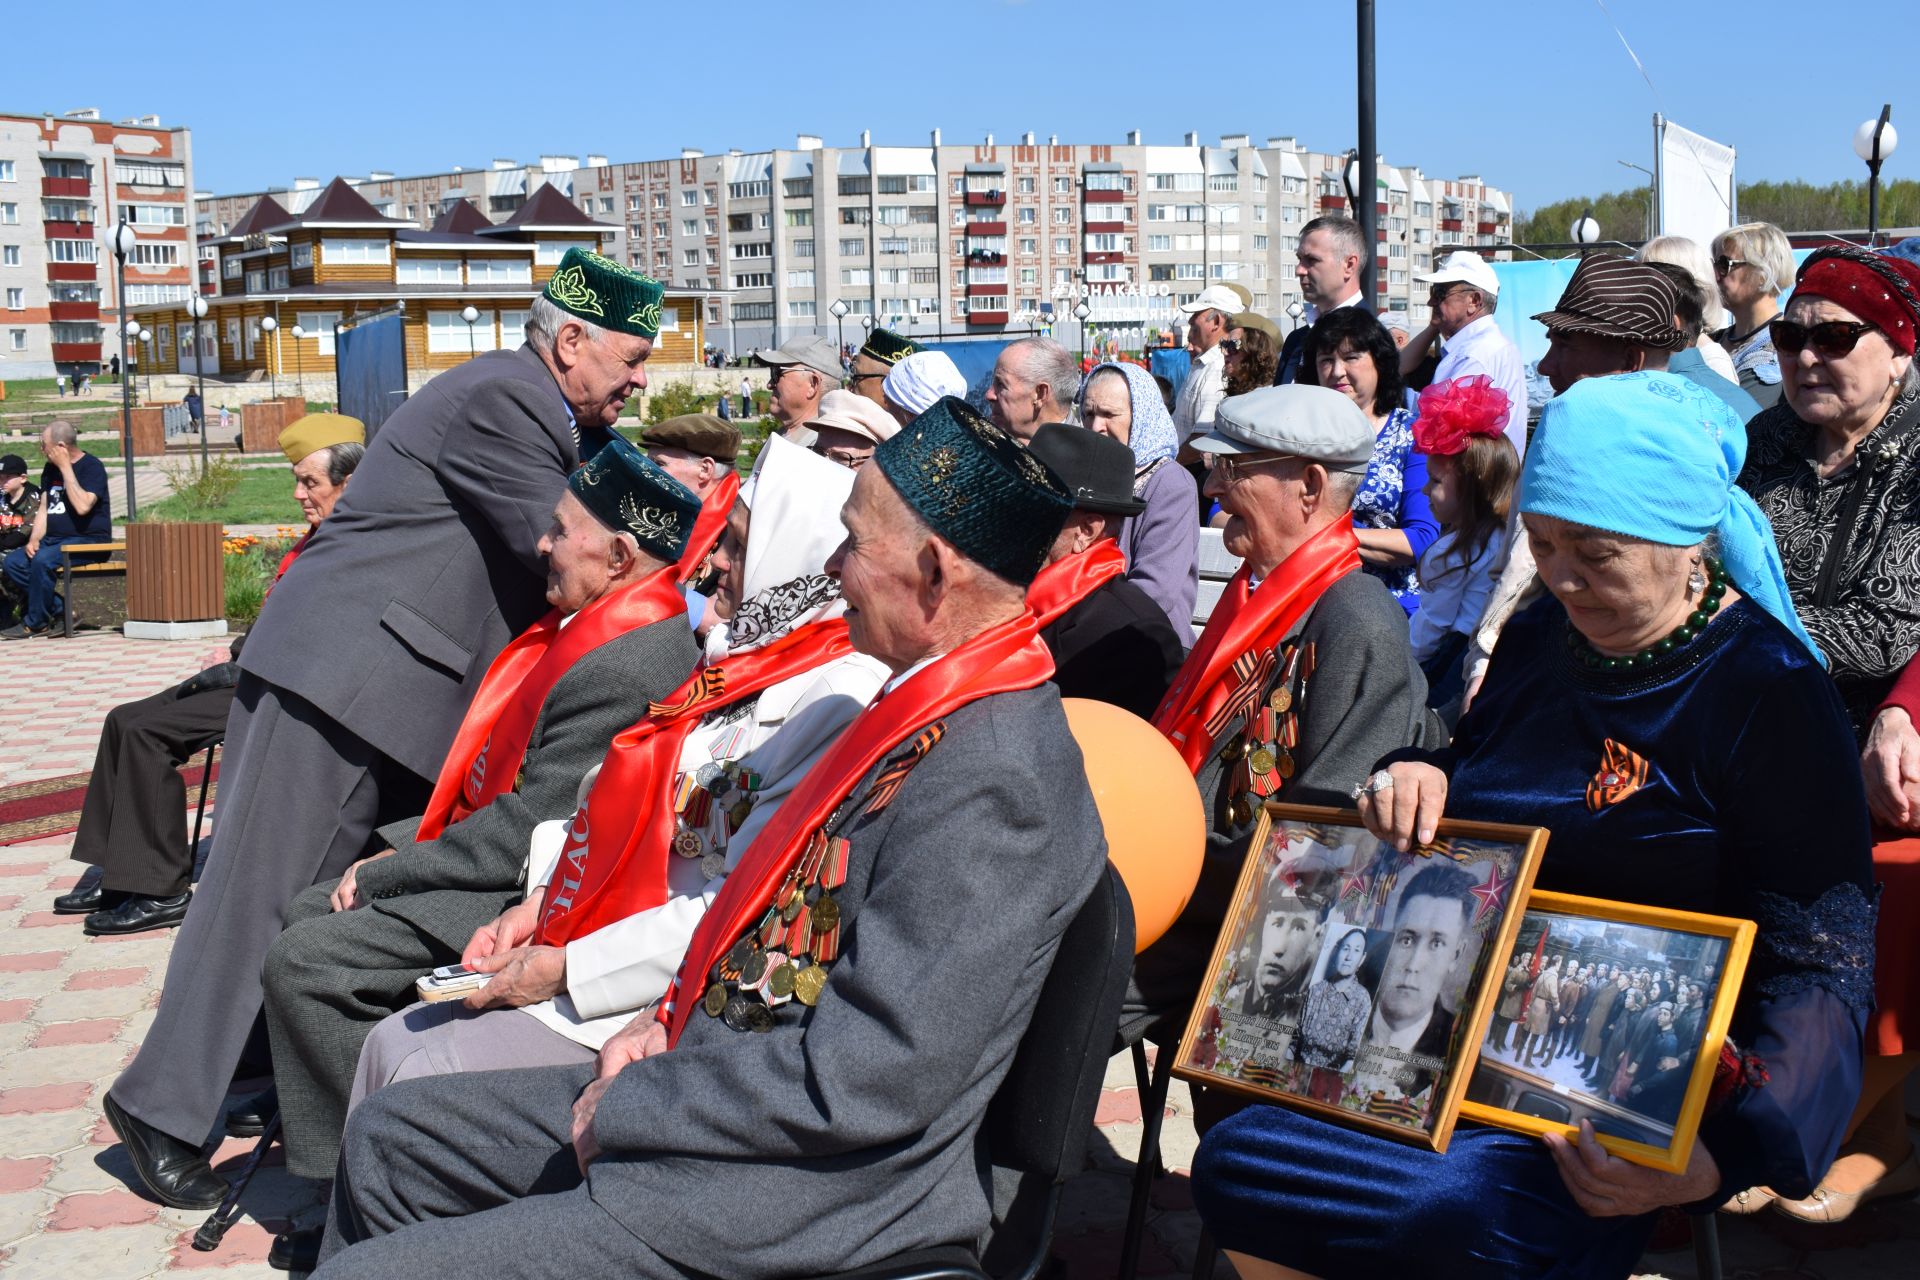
point(286, 561)
point(1246, 623)
point(709, 525)
point(1003, 658)
point(492, 740)
point(618, 848)
point(1065, 583)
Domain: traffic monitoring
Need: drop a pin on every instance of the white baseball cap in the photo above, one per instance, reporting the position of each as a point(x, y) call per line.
point(1215, 297)
point(1464, 268)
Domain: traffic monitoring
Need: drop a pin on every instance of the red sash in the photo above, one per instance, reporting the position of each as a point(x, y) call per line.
point(709, 525)
point(286, 561)
point(1243, 626)
point(624, 870)
point(1003, 658)
point(492, 740)
point(1065, 583)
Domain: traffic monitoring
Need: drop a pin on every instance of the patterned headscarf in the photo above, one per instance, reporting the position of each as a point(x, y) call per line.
point(1152, 437)
point(796, 503)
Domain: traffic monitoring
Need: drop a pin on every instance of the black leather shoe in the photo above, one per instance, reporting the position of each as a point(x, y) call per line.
point(176, 1174)
point(137, 914)
point(84, 898)
point(249, 1119)
point(296, 1250)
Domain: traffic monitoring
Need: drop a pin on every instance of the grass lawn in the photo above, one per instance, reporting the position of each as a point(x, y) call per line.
point(263, 496)
point(29, 449)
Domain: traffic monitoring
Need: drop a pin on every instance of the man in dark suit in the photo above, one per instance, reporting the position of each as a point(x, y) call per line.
point(1327, 267)
point(1113, 644)
point(1409, 1036)
point(810, 1134)
point(355, 678)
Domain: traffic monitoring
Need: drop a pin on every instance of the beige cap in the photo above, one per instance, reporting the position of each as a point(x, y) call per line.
point(850, 411)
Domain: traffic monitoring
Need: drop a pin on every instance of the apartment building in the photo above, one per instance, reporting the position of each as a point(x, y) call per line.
point(65, 181)
point(949, 239)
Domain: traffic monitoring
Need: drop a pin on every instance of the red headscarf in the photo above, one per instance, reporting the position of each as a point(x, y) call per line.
point(1880, 289)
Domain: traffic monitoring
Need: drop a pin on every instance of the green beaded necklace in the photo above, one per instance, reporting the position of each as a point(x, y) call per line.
point(1679, 637)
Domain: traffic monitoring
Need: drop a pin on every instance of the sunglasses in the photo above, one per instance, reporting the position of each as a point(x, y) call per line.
point(1831, 339)
point(1230, 345)
point(1723, 265)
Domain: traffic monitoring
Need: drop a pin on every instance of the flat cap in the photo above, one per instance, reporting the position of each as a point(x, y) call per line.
point(303, 436)
point(1307, 422)
point(807, 352)
point(701, 433)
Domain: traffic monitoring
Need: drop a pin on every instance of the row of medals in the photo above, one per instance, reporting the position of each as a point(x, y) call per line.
point(1260, 759)
point(785, 956)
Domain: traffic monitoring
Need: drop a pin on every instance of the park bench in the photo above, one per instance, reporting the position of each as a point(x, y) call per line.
point(1217, 567)
point(92, 571)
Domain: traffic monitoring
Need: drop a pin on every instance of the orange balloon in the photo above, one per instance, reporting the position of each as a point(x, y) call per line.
point(1156, 824)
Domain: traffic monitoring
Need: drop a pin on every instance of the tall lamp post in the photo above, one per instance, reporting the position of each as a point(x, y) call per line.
point(1584, 231)
point(299, 372)
point(471, 314)
point(121, 241)
point(146, 358)
point(1294, 311)
point(197, 308)
point(1080, 312)
point(1873, 142)
point(839, 310)
point(267, 325)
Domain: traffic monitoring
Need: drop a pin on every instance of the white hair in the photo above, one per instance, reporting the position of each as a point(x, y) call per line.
point(544, 319)
point(1046, 361)
point(1692, 257)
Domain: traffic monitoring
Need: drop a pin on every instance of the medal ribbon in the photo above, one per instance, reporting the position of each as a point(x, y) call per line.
point(1003, 658)
point(1244, 622)
point(709, 524)
point(493, 735)
point(1066, 582)
point(614, 862)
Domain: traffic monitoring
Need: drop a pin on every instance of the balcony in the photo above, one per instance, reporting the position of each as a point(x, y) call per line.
point(1450, 224)
point(986, 258)
point(986, 228)
point(76, 352)
point(986, 317)
point(986, 197)
point(72, 271)
point(65, 188)
point(68, 230)
point(1105, 228)
point(1488, 228)
point(80, 311)
point(1094, 195)
point(1331, 202)
point(1104, 257)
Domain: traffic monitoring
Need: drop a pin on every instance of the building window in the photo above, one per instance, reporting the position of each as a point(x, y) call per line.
point(156, 215)
point(10, 256)
point(1224, 182)
point(427, 271)
point(690, 258)
point(302, 256)
point(855, 185)
point(6, 171)
point(749, 190)
point(547, 253)
point(148, 173)
point(892, 215)
point(1063, 185)
point(318, 325)
point(336, 251)
point(1028, 217)
point(256, 281)
point(754, 280)
point(17, 338)
point(9, 213)
point(513, 327)
point(499, 271)
point(16, 299)
point(1025, 186)
point(447, 332)
point(232, 268)
point(1029, 275)
point(1028, 247)
point(856, 275)
point(800, 279)
point(1062, 215)
point(150, 254)
point(233, 333)
point(758, 249)
point(801, 309)
point(794, 218)
point(1062, 244)
point(854, 216)
point(659, 199)
point(1260, 244)
point(803, 248)
point(854, 248)
point(277, 278)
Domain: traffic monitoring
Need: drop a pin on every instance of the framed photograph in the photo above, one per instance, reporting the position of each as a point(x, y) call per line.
point(1611, 1013)
point(1352, 980)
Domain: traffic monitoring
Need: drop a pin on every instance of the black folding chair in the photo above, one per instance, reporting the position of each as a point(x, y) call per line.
point(1152, 1086)
point(1042, 1116)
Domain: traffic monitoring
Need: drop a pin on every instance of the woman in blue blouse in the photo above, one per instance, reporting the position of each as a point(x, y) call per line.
point(1350, 352)
point(1667, 633)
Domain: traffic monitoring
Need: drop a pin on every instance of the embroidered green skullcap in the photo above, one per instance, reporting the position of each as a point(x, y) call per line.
point(978, 488)
point(601, 291)
point(887, 347)
point(628, 493)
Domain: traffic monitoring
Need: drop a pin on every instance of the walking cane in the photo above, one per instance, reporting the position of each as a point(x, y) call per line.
point(208, 1237)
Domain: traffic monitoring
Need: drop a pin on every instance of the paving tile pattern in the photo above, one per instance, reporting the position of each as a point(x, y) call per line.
point(73, 1009)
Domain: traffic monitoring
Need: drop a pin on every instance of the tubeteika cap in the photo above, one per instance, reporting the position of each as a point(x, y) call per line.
point(1307, 422)
point(701, 433)
point(319, 431)
point(1096, 469)
point(601, 291)
point(1611, 297)
point(975, 486)
point(887, 347)
point(628, 493)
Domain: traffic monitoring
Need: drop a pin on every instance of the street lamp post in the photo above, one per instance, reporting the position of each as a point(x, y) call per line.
point(471, 314)
point(299, 372)
point(146, 358)
point(1294, 312)
point(197, 308)
point(121, 242)
point(267, 325)
point(1873, 142)
point(839, 310)
point(1080, 312)
point(1584, 231)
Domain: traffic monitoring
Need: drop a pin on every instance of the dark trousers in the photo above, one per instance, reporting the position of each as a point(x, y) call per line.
point(330, 979)
point(36, 577)
point(133, 823)
point(303, 798)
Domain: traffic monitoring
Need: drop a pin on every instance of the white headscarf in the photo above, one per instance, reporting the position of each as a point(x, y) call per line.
point(796, 501)
point(919, 381)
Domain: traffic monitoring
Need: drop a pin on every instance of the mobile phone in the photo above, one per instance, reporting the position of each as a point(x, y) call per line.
point(449, 982)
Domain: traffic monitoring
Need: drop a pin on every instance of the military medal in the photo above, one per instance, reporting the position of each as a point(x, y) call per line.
point(1261, 762)
point(780, 980)
point(791, 907)
point(1281, 699)
point(754, 970)
point(826, 913)
point(686, 844)
point(759, 1018)
point(737, 957)
point(716, 999)
point(808, 984)
point(737, 1011)
point(714, 864)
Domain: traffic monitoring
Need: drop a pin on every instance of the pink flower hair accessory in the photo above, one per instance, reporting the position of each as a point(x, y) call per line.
point(1452, 412)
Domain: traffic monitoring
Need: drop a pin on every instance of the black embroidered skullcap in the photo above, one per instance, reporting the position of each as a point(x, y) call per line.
point(887, 347)
point(628, 493)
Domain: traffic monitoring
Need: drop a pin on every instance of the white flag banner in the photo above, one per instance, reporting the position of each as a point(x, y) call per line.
point(1697, 197)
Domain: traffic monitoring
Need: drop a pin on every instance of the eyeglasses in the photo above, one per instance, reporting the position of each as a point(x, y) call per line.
point(852, 459)
point(854, 379)
point(1235, 467)
point(1440, 293)
point(775, 372)
point(1723, 265)
point(1230, 345)
point(1831, 339)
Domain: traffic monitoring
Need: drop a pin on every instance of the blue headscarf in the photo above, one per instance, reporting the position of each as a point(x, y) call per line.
point(1653, 456)
point(1152, 437)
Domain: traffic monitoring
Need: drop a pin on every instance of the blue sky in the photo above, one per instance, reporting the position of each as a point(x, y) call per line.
point(1537, 97)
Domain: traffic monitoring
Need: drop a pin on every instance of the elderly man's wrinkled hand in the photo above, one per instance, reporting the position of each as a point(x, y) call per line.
point(1890, 765)
point(1406, 811)
point(346, 895)
point(522, 976)
point(511, 928)
point(641, 1038)
point(586, 1149)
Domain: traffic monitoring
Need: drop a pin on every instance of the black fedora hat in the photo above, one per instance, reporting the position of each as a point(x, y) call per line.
point(1096, 469)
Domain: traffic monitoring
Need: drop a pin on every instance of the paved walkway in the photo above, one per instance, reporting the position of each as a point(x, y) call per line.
point(73, 1010)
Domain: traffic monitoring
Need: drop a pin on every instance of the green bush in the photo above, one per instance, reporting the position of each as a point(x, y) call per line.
point(675, 399)
point(203, 489)
point(249, 572)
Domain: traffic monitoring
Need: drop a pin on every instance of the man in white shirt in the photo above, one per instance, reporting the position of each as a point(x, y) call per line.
point(1327, 267)
point(1209, 316)
point(1463, 295)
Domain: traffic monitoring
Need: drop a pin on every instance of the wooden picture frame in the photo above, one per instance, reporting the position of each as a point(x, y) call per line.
point(1324, 919)
point(1653, 1122)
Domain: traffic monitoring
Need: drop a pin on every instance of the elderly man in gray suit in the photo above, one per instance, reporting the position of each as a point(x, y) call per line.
point(358, 673)
point(810, 1095)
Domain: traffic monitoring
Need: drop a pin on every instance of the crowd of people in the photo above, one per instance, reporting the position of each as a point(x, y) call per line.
point(738, 818)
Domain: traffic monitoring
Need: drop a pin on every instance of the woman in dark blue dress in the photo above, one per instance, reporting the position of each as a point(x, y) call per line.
point(1667, 634)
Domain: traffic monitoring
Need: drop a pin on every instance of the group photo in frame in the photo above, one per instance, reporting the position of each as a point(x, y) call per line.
point(1614, 1014)
point(1354, 981)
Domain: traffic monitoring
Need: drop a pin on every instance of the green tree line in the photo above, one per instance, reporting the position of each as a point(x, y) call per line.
point(1791, 206)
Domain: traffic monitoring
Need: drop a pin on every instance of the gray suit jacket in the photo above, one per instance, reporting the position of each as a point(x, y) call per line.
point(452, 885)
point(849, 1132)
point(426, 568)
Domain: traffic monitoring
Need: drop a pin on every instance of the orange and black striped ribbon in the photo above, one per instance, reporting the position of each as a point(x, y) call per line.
point(887, 783)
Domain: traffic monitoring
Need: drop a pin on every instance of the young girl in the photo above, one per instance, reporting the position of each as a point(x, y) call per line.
point(1471, 469)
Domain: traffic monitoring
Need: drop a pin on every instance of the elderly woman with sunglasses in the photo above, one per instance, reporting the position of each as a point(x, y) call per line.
point(1751, 264)
point(1836, 469)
